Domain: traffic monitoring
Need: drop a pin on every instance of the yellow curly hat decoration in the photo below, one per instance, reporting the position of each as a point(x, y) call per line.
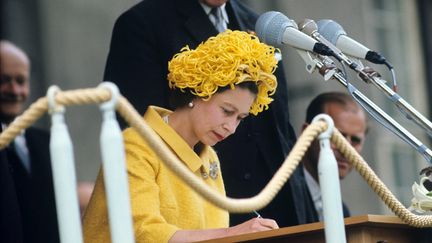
point(230, 58)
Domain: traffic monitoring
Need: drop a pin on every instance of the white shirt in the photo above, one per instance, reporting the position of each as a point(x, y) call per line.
point(315, 191)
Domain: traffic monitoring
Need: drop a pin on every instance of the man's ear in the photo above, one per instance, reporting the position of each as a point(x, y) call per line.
point(304, 126)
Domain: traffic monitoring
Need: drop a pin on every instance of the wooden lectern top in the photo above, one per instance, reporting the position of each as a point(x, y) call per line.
point(359, 229)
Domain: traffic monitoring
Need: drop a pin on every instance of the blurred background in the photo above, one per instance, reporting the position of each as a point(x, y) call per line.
point(68, 41)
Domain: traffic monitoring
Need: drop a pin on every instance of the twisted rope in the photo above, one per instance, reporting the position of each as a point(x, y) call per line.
point(99, 95)
point(40, 107)
point(377, 185)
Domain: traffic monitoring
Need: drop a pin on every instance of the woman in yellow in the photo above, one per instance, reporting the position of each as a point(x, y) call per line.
point(216, 85)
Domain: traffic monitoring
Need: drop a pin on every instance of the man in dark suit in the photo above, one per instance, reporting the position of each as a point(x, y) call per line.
point(28, 159)
point(10, 217)
point(147, 36)
point(350, 120)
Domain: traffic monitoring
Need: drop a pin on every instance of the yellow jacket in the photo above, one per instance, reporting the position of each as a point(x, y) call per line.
point(161, 202)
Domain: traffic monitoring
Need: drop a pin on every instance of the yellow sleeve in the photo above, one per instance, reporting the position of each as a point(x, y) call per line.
point(143, 167)
point(149, 225)
point(95, 221)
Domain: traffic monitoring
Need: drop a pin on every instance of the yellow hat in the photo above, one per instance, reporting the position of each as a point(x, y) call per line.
point(230, 58)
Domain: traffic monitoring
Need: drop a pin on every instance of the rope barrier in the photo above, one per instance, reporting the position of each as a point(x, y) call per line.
point(101, 94)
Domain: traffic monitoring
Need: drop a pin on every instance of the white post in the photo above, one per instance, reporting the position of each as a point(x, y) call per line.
point(62, 163)
point(328, 174)
point(114, 169)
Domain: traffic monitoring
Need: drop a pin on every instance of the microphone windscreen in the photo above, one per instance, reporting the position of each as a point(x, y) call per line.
point(271, 26)
point(330, 30)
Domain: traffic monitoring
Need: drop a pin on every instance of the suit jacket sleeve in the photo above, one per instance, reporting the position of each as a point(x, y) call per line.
point(134, 63)
point(10, 217)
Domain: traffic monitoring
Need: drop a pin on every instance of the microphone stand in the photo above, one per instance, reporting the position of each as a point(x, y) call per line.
point(370, 76)
point(328, 70)
point(410, 112)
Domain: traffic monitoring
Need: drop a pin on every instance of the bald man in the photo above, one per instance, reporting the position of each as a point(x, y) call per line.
point(350, 120)
point(28, 155)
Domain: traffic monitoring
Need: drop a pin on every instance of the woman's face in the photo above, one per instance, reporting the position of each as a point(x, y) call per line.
point(216, 119)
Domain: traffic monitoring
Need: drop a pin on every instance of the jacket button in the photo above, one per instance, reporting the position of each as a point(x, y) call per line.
point(247, 176)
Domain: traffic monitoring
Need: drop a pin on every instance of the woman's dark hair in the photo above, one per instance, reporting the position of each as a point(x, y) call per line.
point(179, 99)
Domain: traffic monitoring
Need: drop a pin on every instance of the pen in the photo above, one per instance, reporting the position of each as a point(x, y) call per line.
point(257, 214)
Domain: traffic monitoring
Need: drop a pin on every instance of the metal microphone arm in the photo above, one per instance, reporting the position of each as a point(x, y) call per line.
point(309, 27)
point(410, 112)
point(328, 70)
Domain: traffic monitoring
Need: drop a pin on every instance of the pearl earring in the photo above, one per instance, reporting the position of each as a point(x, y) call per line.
point(190, 104)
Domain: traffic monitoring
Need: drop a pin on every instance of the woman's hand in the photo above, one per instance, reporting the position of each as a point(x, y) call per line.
point(252, 225)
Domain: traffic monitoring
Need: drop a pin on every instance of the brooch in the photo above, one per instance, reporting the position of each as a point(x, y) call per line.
point(213, 171)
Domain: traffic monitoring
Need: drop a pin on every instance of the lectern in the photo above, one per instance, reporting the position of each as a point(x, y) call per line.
point(359, 229)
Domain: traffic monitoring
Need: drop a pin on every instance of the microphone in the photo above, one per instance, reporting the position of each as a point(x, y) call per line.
point(276, 29)
point(334, 33)
point(310, 28)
